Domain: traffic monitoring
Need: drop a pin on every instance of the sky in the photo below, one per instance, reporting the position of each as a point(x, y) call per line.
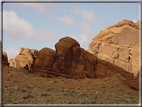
point(39, 25)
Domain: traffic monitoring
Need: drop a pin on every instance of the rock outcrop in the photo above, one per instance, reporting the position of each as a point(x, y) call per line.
point(43, 63)
point(119, 45)
point(25, 58)
point(4, 58)
point(12, 62)
point(69, 60)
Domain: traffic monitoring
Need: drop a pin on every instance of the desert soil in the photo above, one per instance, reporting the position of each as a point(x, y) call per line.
point(21, 87)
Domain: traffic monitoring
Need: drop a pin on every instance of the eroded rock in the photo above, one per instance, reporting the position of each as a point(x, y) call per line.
point(25, 58)
point(12, 62)
point(119, 45)
point(69, 60)
point(4, 58)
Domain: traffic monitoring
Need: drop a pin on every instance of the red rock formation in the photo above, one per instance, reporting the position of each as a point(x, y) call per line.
point(4, 58)
point(69, 61)
point(25, 58)
point(43, 63)
point(119, 45)
point(73, 60)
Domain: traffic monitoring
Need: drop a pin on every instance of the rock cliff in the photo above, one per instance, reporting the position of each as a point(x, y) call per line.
point(119, 45)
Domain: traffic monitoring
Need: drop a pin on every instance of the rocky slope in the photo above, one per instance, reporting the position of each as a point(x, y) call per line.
point(118, 44)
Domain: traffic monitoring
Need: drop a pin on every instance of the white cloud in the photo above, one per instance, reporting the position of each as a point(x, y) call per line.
point(66, 20)
point(76, 10)
point(88, 16)
point(41, 7)
point(17, 28)
point(12, 52)
point(134, 20)
point(85, 37)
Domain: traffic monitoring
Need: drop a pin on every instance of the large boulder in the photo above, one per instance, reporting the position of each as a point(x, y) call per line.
point(4, 58)
point(69, 60)
point(43, 63)
point(12, 62)
point(119, 45)
point(25, 58)
point(73, 60)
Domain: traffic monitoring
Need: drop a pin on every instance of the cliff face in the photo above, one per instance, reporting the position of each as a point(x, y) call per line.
point(118, 44)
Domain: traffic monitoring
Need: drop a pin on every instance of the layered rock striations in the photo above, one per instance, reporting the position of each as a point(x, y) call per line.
point(69, 60)
point(119, 45)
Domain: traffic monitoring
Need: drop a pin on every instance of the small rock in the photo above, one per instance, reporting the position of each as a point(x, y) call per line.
point(55, 81)
point(125, 95)
point(28, 96)
point(51, 82)
point(108, 98)
point(16, 87)
point(97, 92)
point(23, 90)
point(30, 86)
point(73, 91)
point(107, 94)
point(118, 75)
point(92, 91)
point(44, 94)
point(84, 90)
point(112, 94)
point(87, 78)
point(66, 90)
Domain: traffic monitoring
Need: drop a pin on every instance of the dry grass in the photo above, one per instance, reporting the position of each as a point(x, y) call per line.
point(21, 87)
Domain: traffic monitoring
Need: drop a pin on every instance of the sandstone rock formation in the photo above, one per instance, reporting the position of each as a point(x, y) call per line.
point(69, 60)
point(119, 45)
point(134, 83)
point(43, 63)
point(12, 62)
point(4, 58)
point(25, 58)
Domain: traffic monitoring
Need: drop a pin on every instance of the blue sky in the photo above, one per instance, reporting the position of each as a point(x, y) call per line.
point(39, 25)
